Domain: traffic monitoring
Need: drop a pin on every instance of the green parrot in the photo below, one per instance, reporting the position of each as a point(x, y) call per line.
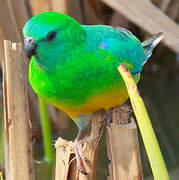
point(74, 66)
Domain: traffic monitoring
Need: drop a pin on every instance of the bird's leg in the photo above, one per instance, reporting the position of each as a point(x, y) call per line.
point(83, 122)
point(109, 116)
point(78, 150)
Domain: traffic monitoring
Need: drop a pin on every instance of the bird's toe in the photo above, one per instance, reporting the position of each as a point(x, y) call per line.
point(80, 156)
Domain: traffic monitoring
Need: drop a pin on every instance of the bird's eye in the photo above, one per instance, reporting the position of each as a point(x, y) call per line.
point(51, 36)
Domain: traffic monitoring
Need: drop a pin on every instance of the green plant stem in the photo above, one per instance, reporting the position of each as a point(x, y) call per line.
point(150, 141)
point(46, 131)
point(1, 176)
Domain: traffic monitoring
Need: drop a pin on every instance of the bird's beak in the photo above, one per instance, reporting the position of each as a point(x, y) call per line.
point(30, 46)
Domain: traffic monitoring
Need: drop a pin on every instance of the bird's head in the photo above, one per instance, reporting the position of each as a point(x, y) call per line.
point(50, 33)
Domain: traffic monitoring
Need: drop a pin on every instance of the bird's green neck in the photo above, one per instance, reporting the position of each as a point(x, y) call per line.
point(62, 52)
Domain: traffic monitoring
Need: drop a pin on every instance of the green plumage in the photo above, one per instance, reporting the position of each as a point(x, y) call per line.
point(76, 70)
point(82, 61)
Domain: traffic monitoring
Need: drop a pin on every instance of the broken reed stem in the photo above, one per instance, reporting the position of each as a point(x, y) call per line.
point(18, 146)
point(65, 157)
point(123, 147)
point(148, 135)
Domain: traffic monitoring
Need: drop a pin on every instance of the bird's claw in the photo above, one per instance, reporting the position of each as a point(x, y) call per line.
point(80, 156)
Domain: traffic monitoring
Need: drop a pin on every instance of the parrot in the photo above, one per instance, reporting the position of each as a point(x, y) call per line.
point(74, 67)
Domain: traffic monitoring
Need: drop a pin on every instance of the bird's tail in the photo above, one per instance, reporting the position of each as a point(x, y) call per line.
point(149, 45)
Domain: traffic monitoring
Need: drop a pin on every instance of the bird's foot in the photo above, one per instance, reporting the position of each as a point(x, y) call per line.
point(80, 156)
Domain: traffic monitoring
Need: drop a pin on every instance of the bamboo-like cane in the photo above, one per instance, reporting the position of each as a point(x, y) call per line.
point(65, 158)
point(151, 145)
point(17, 127)
point(123, 147)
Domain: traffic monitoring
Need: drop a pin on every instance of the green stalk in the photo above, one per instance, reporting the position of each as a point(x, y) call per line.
point(150, 141)
point(46, 131)
point(1, 176)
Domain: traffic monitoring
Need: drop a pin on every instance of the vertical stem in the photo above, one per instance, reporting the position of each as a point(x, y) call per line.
point(150, 141)
point(1, 176)
point(46, 131)
point(18, 145)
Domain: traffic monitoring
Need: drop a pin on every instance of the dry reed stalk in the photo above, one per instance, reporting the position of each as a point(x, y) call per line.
point(164, 5)
point(17, 122)
point(1, 48)
point(39, 6)
point(72, 8)
point(150, 18)
point(173, 11)
point(61, 6)
point(8, 30)
point(15, 13)
point(95, 15)
point(19, 14)
point(123, 147)
point(65, 158)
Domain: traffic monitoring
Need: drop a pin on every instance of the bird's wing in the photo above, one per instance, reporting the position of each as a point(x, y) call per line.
point(119, 42)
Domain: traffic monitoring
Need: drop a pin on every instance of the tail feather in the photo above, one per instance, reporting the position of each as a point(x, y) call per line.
point(149, 45)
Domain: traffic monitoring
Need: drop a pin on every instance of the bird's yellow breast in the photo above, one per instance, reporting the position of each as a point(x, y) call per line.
point(112, 98)
point(104, 101)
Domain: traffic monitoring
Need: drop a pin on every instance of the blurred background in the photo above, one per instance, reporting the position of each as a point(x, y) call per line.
point(159, 84)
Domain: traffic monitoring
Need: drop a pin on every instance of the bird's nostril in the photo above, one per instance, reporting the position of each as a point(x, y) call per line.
point(31, 41)
point(30, 46)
